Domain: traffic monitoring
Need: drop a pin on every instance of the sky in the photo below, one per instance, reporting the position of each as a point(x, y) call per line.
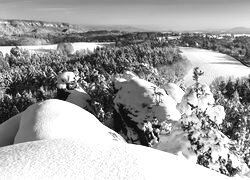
point(152, 14)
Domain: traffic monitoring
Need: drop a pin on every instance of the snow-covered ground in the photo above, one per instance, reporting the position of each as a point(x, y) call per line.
point(214, 65)
point(70, 159)
point(77, 46)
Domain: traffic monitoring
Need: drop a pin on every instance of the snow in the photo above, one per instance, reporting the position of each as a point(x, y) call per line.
point(197, 106)
point(53, 119)
point(77, 46)
point(70, 159)
point(64, 78)
point(177, 143)
point(74, 144)
point(187, 136)
point(214, 65)
point(145, 101)
point(188, 102)
point(216, 113)
point(8, 130)
point(77, 95)
point(201, 98)
point(138, 105)
point(174, 91)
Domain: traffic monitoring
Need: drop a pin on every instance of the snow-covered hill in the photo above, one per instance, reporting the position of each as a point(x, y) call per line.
point(214, 65)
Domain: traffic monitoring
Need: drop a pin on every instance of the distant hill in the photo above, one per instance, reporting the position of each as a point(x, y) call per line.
point(123, 28)
point(239, 30)
point(236, 30)
point(30, 32)
point(19, 27)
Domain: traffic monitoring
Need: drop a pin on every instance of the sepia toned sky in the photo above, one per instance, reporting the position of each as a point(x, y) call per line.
point(154, 14)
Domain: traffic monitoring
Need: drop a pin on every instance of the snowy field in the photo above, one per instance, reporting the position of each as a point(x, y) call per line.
point(214, 65)
point(77, 46)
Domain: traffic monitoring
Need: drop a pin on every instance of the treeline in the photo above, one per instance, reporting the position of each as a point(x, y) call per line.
point(238, 47)
point(41, 38)
point(25, 78)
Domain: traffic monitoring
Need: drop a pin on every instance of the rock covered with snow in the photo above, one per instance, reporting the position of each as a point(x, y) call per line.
point(174, 91)
point(139, 103)
point(70, 90)
point(146, 101)
point(55, 119)
point(120, 78)
point(69, 159)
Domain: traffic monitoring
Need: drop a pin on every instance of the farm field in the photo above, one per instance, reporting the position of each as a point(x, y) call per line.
point(213, 64)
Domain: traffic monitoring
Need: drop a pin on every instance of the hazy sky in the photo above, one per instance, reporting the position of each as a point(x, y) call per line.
point(160, 14)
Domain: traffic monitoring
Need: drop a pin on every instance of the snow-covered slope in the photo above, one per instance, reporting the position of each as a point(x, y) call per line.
point(54, 119)
point(68, 159)
point(214, 65)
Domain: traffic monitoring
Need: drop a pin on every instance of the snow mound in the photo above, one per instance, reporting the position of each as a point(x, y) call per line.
point(69, 159)
point(54, 119)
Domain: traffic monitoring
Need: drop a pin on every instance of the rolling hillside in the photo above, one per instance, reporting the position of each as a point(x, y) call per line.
point(213, 64)
point(20, 27)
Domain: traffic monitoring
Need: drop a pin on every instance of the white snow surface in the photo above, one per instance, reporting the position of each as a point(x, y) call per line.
point(214, 65)
point(77, 96)
point(174, 91)
point(145, 101)
point(202, 99)
point(177, 143)
point(216, 113)
point(69, 159)
point(54, 119)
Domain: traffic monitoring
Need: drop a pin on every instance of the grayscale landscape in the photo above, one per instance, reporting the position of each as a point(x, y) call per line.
point(111, 89)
